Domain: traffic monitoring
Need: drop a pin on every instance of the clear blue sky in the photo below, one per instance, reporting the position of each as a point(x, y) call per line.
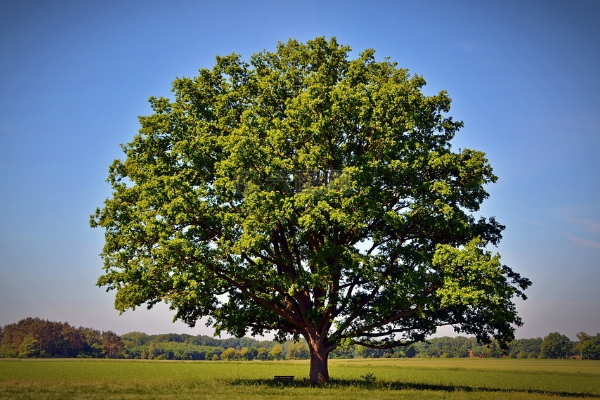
point(524, 76)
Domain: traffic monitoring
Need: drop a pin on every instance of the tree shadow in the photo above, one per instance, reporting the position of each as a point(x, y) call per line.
point(393, 385)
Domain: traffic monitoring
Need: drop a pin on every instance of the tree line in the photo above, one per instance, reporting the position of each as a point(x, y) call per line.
point(35, 337)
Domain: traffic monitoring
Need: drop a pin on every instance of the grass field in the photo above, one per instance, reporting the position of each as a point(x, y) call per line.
point(394, 379)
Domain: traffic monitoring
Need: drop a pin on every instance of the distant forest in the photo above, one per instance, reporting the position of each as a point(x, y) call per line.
point(38, 338)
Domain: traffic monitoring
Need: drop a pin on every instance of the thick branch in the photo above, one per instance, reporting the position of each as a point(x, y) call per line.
point(244, 285)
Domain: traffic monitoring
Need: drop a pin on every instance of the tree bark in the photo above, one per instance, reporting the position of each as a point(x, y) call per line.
point(319, 354)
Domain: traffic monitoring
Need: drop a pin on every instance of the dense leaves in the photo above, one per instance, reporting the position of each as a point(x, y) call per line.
point(311, 195)
point(556, 345)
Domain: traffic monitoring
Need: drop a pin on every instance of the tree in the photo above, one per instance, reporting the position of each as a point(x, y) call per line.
point(590, 349)
point(228, 354)
point(276, 352)
point(112, 344)
point(297, 350)
point(252, 353)
point(29, 348)
point(410, 352)
point(582, 337)
point(93, 343)
point(556, 345)
point(309, 194)
point(588, 346)
point(521, 348)
point(262, 353)
point(245, 353)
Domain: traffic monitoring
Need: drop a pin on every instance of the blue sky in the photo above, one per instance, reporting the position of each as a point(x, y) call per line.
point(74, 76)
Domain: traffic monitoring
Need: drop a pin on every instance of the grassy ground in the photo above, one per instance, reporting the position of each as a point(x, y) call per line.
point(394, 379)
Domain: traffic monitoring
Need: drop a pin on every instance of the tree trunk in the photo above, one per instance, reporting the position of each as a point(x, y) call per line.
point(319, 353)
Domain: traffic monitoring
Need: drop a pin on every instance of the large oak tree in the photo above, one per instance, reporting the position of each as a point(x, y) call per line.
point(308, 194)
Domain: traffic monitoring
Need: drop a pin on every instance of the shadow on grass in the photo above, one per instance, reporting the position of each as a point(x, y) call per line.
point(384, 385)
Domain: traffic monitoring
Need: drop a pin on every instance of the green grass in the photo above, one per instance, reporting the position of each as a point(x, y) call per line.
point(395, 379)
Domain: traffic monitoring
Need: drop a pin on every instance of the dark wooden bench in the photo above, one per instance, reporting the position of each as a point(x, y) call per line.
point(283, 378)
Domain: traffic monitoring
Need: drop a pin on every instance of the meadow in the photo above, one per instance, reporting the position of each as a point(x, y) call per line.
point(351, 379)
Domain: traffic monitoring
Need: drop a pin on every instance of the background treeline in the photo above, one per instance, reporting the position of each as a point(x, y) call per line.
point(34, 337)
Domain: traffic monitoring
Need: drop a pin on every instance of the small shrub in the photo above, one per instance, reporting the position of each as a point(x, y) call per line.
point(369, 378)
